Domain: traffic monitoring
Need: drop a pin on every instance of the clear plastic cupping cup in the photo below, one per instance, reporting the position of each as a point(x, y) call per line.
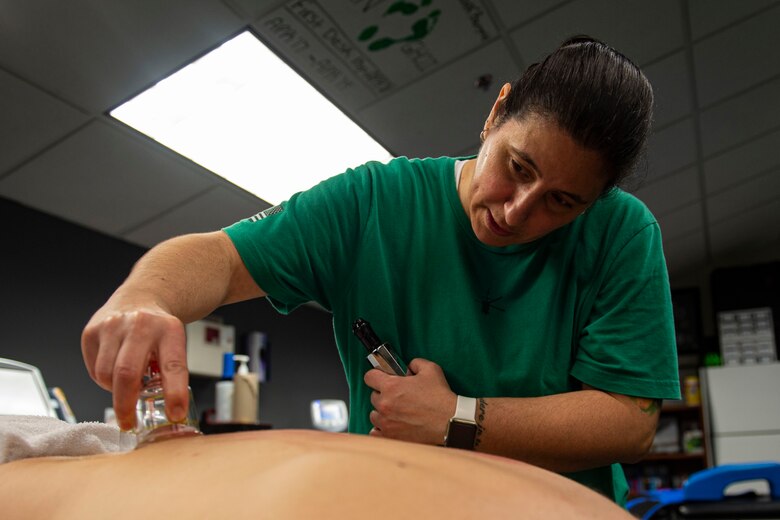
point(152, 423)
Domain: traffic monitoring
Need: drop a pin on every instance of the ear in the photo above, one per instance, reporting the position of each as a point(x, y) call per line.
point(500, 100)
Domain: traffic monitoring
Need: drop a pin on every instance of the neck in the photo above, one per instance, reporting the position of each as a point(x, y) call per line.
point(464, 186)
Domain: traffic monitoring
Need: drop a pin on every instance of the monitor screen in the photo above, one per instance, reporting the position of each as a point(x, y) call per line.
point(22, 391)
point(329, 415)
point(331, 411)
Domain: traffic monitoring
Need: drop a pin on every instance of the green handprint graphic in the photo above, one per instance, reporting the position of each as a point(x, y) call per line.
point(419, 29)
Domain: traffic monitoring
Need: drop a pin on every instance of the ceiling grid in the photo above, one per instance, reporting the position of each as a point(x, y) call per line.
point(694, 96)
point(713, 161)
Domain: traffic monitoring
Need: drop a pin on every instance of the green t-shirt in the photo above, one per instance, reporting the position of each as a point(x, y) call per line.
point(588, 303)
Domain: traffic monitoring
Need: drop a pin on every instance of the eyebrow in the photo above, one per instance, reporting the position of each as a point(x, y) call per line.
point(527, 158)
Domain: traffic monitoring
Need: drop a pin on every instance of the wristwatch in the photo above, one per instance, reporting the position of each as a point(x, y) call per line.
point(462, 429)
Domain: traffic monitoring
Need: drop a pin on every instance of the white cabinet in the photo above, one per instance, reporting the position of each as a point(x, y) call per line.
point(206, 343)
point(743, 405)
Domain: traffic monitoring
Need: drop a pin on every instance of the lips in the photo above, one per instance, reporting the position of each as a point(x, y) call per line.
point(494, 227)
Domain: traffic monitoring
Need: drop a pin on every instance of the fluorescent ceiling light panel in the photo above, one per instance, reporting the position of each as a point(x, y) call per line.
point(242, 113)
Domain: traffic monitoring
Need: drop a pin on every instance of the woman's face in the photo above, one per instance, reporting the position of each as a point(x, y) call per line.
point(529, 179)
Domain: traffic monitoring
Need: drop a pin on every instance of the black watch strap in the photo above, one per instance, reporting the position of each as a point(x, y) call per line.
point(462, 429)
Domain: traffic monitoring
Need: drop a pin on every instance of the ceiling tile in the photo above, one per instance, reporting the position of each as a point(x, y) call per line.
point(210, 211)
point(361, 52)
point(98, 54)
point(744, 196)
point(756, 37)
point(31, 121)
point(681, 222)
point(755, 230)
point(643, 31)
point(711, 15)
point(671, 88)
point(514, 12)
point(410, 122)
point(741, 118)
point(738, 164)
point(671, 193)
point(256, 8)
point(685, 253)
point(346, 84)
point(670, 149)
point(106, 179)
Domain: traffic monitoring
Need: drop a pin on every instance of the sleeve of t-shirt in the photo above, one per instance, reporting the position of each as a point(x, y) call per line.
point(303, 249)
point(628, 345)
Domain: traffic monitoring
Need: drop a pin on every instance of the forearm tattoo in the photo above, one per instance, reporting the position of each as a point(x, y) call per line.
point(481, 410)
point(647, 406)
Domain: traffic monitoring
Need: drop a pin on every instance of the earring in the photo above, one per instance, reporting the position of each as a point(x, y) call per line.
point(484, 131)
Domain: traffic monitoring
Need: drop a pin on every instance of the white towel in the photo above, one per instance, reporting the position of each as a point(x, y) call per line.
point(24, 436)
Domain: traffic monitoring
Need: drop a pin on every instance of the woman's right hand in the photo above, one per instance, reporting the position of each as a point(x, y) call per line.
point(177, 281)
point(117, 344)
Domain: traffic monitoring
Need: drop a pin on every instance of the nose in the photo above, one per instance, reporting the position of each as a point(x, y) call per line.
point(520, 205)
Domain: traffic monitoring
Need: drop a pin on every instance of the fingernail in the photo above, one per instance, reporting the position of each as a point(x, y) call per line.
point(177, 414)
point(126, 427)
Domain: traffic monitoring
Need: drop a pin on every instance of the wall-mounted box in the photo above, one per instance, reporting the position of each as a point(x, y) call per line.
point(206, 343)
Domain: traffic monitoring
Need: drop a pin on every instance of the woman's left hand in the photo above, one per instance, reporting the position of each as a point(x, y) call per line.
point(415, 408)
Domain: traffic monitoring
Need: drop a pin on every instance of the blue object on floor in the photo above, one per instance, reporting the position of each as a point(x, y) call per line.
point(709, 485)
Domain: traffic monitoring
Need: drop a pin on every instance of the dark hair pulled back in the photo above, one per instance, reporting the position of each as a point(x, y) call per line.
point(594, 93)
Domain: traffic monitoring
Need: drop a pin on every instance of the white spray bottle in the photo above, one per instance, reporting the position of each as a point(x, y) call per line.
point(245, 393)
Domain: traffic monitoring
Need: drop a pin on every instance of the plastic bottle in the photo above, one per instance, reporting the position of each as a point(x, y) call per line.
point(245, 393)
point(223, 394)
point(256, 344)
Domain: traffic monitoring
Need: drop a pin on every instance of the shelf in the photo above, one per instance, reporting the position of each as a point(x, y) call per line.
point(661, 457)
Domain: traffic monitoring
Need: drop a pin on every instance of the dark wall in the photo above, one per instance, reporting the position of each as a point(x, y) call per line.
point(54, 275)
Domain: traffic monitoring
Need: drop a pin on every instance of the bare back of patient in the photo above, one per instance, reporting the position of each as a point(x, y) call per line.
point(292, 474)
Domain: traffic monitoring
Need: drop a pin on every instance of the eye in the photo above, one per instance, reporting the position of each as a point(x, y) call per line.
point(518, 169)
point(561, 201)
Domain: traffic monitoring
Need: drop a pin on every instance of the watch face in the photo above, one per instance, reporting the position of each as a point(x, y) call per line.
point(461, 434)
